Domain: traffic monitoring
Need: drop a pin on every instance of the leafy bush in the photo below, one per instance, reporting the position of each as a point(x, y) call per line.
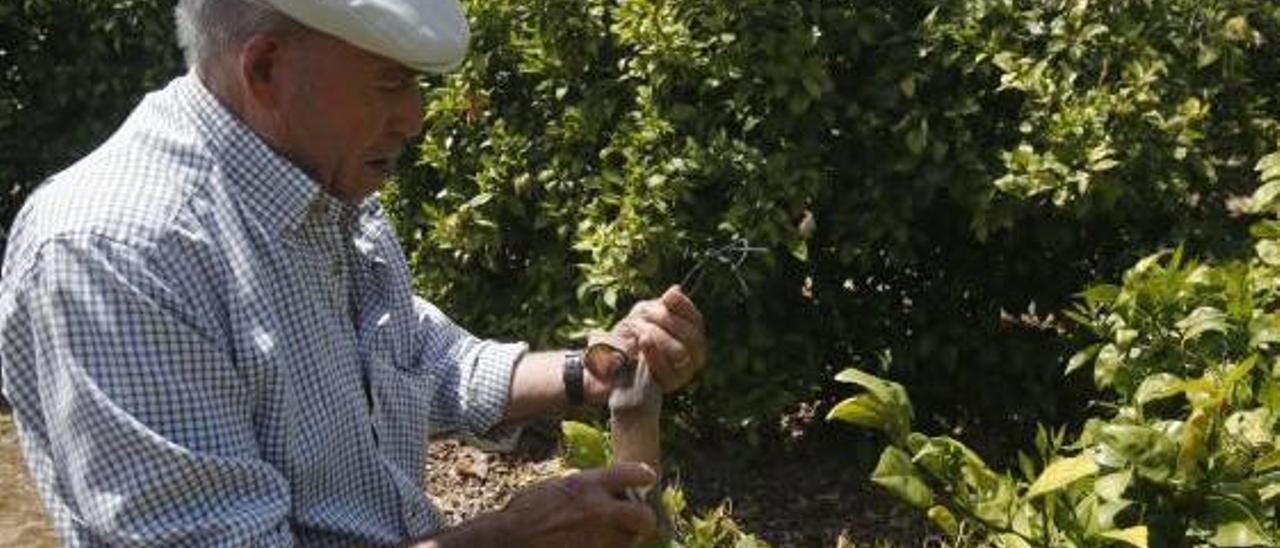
point(71, 72)
point(1184, 450)
point(919, 170)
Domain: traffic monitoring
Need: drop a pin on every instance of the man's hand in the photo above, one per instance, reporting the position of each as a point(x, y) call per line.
point(587, 509)
point(665, 334)
point(583, 510)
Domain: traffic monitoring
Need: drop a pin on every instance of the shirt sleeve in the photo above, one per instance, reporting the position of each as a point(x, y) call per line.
point(471, 379)
point(136, 424)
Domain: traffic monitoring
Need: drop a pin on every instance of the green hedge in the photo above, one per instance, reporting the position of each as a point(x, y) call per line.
point(1182, 449)
point(70, 71)
point(970, 164)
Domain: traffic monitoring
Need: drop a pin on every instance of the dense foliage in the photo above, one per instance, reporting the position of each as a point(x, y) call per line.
point(70, 71)
point(930, 177)
point(1182, 451)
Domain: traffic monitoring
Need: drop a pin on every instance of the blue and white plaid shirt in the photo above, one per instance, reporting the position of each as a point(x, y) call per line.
point(202, 348)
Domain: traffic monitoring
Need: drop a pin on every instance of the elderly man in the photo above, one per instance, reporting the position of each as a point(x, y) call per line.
point(207, 328)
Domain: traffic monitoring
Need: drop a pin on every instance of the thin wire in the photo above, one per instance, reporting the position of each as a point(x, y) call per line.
point(732, 255)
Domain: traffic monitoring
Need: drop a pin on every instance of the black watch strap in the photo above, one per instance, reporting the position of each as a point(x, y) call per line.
point(574, 381)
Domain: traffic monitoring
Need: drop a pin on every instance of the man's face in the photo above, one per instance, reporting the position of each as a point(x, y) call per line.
point(345, 114)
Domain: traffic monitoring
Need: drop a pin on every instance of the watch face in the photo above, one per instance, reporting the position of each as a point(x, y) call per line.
point(603, 359)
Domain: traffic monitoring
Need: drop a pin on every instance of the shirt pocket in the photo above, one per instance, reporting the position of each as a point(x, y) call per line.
point(401, 401)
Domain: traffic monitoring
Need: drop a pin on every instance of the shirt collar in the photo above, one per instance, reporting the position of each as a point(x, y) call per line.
point(278, 193)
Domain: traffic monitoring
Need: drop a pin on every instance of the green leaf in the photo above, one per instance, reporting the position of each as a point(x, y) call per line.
point(1111, 487)
point(1270, 461)
point(1010, 540)
point(1268, 251)
point(1193, 444)
point(1152, 454)
point(1104, 515)
point(944, 520)
point(1107, 366)
point(1062, 473)
point(888, 392)
point(1238, 534)
point(1083, 358)
point(478, 200)
point(1205, 319)
point(1269, 168)
point(800, 250)
point(1269, 492)
point(1264, 199)
point(899, 476)
point(1158, 387)
point(918, 139)
point(586, 446)
point(1133, 536)
point(864, 410)
point(1268, 229)
point(1264, 331)
point(1101, 295)
point(1234, 523)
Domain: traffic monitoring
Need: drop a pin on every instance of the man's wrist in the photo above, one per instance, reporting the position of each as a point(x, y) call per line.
point(493, 529)
point(573, 377)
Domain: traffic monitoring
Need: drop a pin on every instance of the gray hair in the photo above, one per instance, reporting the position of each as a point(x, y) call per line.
point(210, 29)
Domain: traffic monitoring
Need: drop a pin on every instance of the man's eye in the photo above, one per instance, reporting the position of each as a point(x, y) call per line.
point(394, 85)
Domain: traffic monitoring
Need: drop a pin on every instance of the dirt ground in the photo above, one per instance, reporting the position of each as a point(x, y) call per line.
point(802, 493)
point(805, 494)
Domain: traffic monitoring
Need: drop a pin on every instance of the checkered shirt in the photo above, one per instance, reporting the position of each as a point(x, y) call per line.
point(202, 348)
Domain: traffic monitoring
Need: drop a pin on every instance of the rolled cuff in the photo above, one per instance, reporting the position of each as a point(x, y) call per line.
point(489, 394)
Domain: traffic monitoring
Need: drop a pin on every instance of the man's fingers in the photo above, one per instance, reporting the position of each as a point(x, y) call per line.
point(680, 304)
point(675, 326)
point(634, 519)
point(661, 353)
point(618, 478)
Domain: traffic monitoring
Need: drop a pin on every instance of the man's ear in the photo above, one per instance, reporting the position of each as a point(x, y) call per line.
point(259, 69)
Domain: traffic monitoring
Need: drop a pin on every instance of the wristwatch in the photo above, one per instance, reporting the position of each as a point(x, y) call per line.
point(574, 379)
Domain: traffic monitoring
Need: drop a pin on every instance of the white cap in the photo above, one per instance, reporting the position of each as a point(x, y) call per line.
point(424, 35)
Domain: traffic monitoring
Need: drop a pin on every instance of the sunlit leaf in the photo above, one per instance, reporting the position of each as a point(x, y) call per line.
point(1269, 492)
point(1133, 536)
point(1194, 444)
point(1267, 462)
point(1269, 168)
point(1062, 473)
point(586, 446)
point(1149, 451)
point(1205, 319)
point(1158, 387)
point(1010, 540)
point(898, 475)
point(1112, 486)
point(886, 391)
point(1264, 199)
point(1107, 366)
point(1240, 534)
point(944, 520)
point(1268, 251)
point(1101, 295)
point(1083, 358)
point(864, 410)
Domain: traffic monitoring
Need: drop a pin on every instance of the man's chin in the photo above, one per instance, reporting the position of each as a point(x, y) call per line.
point(355, 190)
